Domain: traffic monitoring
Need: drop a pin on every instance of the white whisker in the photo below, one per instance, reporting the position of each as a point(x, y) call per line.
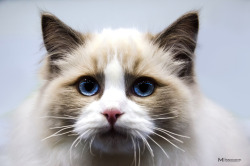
point(165, 118)
point(162, 114)
point(172, 133)
point(169, 141)
point(169, 135)
point(139, 153)
point(58, 117)
point(59, 127)
point(159, 146)
point(134, 150)
point(78, 142)
point(55, 134)
point(90, 144)
point(69, 116)
point(63, 133)
point(70, 150)
point(84, 146)
point(79, 137)
point(147, 144)
point(144, 147)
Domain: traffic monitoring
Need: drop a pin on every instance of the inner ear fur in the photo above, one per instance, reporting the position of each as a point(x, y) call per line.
point(59, 40)
point(180, 38)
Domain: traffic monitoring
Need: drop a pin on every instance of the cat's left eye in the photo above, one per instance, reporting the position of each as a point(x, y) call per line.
point(143, 87)
point(88, 86)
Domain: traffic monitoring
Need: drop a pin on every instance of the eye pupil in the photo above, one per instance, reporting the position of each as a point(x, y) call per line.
point(88, 86)
point(143, 87)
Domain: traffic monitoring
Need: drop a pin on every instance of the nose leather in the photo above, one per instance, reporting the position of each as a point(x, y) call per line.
point(112, 116)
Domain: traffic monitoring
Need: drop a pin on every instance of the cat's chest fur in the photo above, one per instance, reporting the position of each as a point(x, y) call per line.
point(122, 98)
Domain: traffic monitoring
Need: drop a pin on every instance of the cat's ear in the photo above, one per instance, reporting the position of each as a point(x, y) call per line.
point(180, 38)
point(59, 40)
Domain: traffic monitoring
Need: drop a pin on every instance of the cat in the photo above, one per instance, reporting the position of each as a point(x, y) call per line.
point(120, 98)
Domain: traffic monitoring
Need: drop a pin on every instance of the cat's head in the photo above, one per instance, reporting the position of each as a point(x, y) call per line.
point(118, 87)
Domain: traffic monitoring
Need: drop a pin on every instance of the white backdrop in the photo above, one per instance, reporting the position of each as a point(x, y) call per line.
point(223, 52)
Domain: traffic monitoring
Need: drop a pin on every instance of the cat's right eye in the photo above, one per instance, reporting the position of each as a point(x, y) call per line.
point(143, 87)
point(88, 86)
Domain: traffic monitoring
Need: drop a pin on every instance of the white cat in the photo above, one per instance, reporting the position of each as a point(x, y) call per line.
point(121, 98)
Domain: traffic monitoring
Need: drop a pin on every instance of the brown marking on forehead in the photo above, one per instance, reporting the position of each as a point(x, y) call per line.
point(83, 64)
point(135, 60)
point(94, 59)
point(130, 63)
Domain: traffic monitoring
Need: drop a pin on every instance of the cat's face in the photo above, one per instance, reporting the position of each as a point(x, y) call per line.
point(117, 88)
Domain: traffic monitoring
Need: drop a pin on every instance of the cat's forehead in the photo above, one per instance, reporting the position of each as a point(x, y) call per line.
point(130, 48)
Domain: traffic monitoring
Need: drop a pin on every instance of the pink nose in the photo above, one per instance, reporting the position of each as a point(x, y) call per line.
point(112, 116)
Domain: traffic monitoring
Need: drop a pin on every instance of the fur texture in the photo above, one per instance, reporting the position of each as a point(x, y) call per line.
point(175, 125)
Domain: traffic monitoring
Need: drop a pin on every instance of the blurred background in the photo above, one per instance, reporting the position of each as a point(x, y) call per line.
point(223, 51)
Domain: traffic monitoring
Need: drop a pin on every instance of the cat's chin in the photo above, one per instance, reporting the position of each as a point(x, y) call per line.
point(113, 141)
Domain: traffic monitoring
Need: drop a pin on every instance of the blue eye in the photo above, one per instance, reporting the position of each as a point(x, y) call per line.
point(143, 87)
point(88, 86)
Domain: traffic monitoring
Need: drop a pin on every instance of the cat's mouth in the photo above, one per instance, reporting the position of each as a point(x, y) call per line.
point(113, 133)
point(112, 140)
